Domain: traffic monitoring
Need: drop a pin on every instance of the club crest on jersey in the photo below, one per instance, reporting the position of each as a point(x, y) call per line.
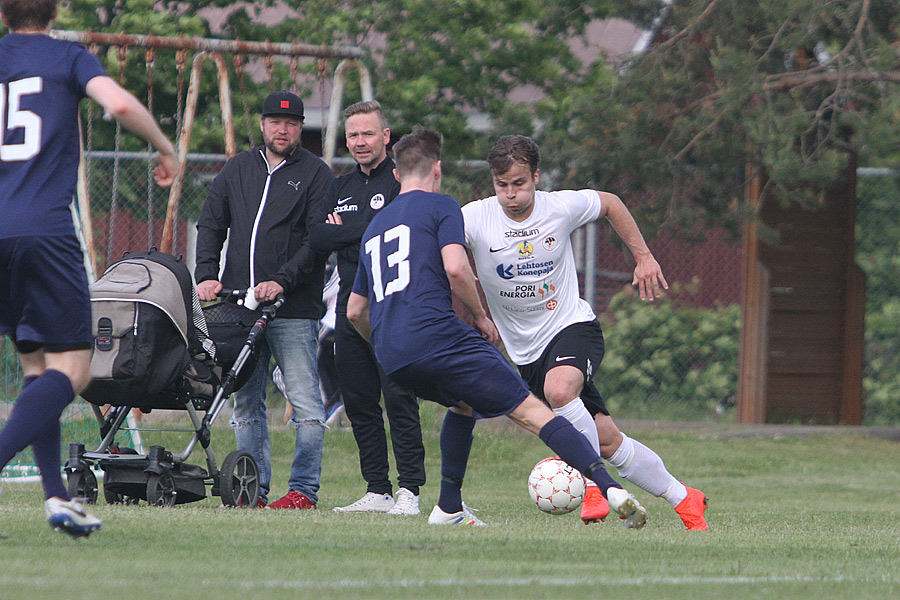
point(377, 201)
point(526, 250)
point(550, 243)
point(552, 304)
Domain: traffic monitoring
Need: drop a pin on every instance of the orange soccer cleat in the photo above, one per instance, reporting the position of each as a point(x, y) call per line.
point(691, 510)
point(594, 507)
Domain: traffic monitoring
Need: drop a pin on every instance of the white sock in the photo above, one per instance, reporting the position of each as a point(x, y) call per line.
point(642, 466)
point(576, 413)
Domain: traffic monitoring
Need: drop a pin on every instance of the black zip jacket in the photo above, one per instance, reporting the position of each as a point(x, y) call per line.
point(357, 198)
point(292, 195)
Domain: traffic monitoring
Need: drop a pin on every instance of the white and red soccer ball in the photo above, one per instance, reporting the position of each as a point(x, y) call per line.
point(555, 487)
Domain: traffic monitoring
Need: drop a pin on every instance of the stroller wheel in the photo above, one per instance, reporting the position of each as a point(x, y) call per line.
point(239, 480)
point(161, 490)
point(83, 484)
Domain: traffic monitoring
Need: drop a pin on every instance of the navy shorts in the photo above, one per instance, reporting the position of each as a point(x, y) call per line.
point(579, 345)
point(473, 372)
point(44, 298)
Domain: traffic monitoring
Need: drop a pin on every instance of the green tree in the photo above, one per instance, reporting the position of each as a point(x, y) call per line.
point(432, 63)
point(795, 87)
point(146, 17)
point(437, 63)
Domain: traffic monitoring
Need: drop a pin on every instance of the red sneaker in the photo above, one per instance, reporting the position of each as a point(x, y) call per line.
point(594, 508)
point(691, 510)
point(293, 499)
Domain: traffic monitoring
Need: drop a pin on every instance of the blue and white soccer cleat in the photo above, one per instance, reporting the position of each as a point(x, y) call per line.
point(68, 516)
point(629, 509)
point(463, 517)
point(626, 505)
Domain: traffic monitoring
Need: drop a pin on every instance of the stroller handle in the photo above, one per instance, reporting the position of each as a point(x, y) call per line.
point(250, 301)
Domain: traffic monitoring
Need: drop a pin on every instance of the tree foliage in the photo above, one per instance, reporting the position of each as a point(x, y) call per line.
point(437, 63)
point(432, 63)
point(794, 87)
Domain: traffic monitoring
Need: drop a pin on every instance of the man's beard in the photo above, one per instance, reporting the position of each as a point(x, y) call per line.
point(288, 150)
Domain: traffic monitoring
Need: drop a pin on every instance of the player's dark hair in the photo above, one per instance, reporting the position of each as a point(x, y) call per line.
point(512, 149)
point(364, 108)
point(417, 152)
point(28, 14)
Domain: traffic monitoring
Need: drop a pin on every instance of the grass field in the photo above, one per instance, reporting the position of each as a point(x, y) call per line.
point(791, 516)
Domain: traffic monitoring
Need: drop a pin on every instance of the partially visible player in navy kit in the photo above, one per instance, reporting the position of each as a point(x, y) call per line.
point(412, 259)
point(44, 302)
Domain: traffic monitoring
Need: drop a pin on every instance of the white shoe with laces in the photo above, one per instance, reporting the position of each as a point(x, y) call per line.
point(68, 516)
point(371, 502)
point(629, 509)
point(406, 503)
point(463, 517)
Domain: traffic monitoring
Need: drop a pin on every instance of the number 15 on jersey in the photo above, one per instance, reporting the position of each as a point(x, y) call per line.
point(396, 236)
point(15, 118)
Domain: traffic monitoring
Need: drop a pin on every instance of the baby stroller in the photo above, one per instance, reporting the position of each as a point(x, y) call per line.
point(155, 348)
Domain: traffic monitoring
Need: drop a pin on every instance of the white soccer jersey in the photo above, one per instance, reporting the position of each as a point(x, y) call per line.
point(527, 269)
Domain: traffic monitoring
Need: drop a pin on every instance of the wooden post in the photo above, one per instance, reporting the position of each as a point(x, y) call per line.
point(751, 398)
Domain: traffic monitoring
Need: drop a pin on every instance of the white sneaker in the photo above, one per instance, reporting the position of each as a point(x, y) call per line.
point(68, 516)
point(463, 517)
point(371, 502)
point(629, 509)
point(407, 503)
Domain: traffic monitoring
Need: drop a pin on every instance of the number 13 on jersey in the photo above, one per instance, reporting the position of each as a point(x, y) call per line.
point(399, 258)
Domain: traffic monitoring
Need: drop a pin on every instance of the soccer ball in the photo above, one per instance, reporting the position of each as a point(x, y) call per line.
point(555, 487)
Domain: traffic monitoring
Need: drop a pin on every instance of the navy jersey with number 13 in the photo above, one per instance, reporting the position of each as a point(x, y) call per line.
point(401, 271)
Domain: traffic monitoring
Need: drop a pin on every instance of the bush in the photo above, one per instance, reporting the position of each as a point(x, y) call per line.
point(669, 359)
point(881, 384)
point(878, 254)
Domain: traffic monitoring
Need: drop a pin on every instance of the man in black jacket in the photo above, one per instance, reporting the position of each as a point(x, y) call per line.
point(352, 201)
point(265, 199)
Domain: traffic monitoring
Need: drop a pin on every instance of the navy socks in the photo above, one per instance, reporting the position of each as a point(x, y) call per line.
point(456, 443)
point(34, 422)
point(574, 448)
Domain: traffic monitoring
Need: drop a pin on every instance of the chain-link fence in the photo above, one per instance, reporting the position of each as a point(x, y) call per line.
point(673, 359)
point(878, 254)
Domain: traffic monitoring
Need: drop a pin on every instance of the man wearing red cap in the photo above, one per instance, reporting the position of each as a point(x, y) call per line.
point(264, 200)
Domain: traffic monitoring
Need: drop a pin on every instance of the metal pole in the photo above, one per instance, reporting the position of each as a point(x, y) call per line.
point(208, 44)
point(337, 94)
point(184, 141)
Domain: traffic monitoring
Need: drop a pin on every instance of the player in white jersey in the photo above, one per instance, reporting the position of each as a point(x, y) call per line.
point(520, 239)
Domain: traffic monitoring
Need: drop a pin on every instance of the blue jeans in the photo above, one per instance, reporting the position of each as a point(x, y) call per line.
point(293, 344)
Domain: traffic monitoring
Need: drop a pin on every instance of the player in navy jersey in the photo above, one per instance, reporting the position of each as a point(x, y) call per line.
point(44, 301)
point(412, 260)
